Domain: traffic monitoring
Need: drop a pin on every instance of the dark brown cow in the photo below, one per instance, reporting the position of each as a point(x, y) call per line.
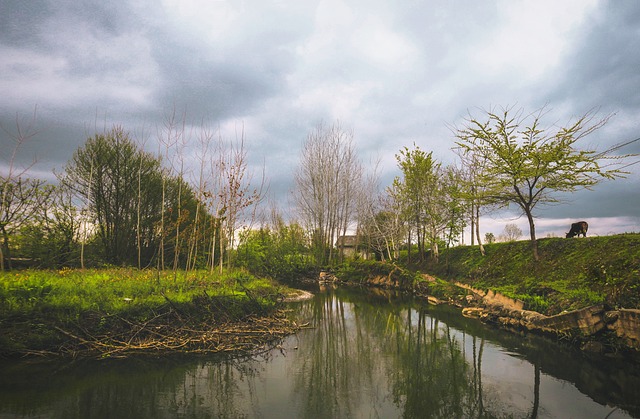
point(578, 228)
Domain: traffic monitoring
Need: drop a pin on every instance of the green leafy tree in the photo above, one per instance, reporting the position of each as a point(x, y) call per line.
point(420, 192)
point(529, 165)
point(489, 238)
point(104, 173)
point(454, 205)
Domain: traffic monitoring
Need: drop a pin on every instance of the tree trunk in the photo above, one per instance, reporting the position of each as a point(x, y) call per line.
point(409, 247)
point(473, 217)
point(213, 245)
point(5, 252)
point(420, 240)
point(138, 237)
point(435, 254)
point(162, 225)
point(176, 249)
point(478, 230)
point(1, 259)
point(532, 233)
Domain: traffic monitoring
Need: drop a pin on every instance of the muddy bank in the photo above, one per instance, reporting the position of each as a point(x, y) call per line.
point(595, 329)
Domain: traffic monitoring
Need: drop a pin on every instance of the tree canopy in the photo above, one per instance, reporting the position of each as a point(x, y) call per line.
point(528, 164)
point(426, 192)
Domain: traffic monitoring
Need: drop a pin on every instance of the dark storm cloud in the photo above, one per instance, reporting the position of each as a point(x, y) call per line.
point(20, 21)
point(603, 67)
point(601, 72)
point(213, 83)
point(33, 24)
point(396, 73)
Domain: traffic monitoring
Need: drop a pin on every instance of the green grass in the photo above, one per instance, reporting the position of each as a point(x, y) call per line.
point(571, 273)
point(34, 302)
point(117, 290)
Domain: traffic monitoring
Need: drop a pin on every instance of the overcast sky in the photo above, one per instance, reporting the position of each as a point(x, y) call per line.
point(397, 73)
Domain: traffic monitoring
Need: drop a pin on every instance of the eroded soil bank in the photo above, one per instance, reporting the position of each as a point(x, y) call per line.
point(595, 329)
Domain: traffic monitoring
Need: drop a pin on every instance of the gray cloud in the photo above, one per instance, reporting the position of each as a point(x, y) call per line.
point(395, 73)
point(603, 67)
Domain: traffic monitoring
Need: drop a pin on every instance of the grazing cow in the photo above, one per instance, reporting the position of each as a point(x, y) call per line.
point(578, 228)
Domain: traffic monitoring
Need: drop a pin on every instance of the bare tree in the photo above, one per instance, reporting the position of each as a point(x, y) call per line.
point(20, 196)
point(237, 193)
point(511, 232)
point(84, 215)
point(326, 183)
point(21, 200)
point(169, 137)
point(205, 138)
point(141, 144)
point(380, 226)
point(373, 220)
point(49, 237)
point(228, 192)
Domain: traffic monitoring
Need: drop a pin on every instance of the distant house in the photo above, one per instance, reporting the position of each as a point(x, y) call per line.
point(348, 246)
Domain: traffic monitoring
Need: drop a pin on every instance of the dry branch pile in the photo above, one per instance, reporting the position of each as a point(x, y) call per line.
point(171, 332)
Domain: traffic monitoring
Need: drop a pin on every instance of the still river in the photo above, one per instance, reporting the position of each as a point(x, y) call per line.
point(365, 355)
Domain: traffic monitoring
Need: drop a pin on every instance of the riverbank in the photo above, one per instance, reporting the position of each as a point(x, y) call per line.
point(108, 313)
point(571, 274)
point(584, 290)
point(604, 327)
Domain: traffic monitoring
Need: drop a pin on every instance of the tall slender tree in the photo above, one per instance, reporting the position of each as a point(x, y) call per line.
point(20, 194)
point(326, 185)
point(415, 190)
point(237, 193)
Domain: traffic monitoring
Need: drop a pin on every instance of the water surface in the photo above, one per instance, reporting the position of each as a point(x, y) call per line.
point(365, 355)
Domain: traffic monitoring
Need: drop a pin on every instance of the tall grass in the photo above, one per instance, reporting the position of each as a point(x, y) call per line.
point(36, 306)
point(113, 291)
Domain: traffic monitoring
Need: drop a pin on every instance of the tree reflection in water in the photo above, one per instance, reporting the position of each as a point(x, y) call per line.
point(366, 355)
point(380, 356)
point(384, 351)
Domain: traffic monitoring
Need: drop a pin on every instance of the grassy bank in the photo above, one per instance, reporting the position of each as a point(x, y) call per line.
point(571, 273)
point(117, 312)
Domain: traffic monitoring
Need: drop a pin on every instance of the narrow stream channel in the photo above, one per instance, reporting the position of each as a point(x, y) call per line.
point(365, 355)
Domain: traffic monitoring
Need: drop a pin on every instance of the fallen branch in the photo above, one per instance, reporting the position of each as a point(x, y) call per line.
point(171, 334)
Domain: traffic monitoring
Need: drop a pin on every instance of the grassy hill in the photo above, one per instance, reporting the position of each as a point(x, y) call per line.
point(571, 273)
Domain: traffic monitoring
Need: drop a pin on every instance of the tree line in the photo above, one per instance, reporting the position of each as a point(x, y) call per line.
point(117, 203)
point(505, 157)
